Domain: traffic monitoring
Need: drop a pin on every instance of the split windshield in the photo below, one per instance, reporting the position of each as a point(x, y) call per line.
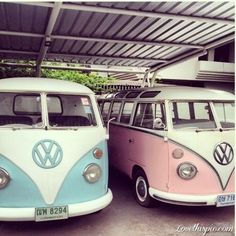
point(225, 113)
point(70, 111)
point(22, 110)
point(199, 115)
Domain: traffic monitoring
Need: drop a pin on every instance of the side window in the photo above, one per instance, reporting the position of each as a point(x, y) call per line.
point(105, 110)
point(115, 110)
point(150, 115)
point(160, 120)
point(126, 112)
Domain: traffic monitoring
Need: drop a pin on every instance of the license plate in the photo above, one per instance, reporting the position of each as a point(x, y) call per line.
point(51, 213)
point(225, 200)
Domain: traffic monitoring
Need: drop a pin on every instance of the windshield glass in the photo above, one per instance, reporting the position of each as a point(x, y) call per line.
point(19, 110)
point(70, 111)
point(226, 113)
point(192, 115)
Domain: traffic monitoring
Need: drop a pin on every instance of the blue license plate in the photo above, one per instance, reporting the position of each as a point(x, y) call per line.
point(225, 200)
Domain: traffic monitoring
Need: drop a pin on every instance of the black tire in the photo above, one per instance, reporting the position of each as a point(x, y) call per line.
point(141, 187)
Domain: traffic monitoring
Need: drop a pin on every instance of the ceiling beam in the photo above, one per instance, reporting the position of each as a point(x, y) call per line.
point(47, 41)
point(221, 41)
point(128, 12)
point(197, 53)
point(103, 40)
point(88, 57)
point(21, 34)
point(179, 59)
point(123, 41)
point(18, 52)
point(124, 76)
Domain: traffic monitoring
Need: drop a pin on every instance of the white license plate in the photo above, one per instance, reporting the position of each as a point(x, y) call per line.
point(225, 200)
point(51, 213)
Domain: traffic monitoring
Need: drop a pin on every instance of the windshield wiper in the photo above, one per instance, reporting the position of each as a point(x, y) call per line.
point(209, 129)
point(226, 129)
point(17, 126)
point(63, 128)
point(214, 129)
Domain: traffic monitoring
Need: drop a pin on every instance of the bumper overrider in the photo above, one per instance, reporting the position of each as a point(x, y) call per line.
point(78, 209)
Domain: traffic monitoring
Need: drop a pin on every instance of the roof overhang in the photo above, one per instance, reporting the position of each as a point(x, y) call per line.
point(147, 35)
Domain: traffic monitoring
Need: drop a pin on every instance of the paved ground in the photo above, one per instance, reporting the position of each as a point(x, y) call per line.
point(124, 217)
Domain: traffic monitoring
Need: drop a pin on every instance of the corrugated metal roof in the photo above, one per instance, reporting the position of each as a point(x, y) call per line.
point(143, 34)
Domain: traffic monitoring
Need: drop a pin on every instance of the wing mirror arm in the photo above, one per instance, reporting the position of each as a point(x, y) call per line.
point(165, 134)
point(108, 127)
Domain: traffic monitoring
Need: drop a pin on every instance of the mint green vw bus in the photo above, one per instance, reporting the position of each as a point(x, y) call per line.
point(53, 151)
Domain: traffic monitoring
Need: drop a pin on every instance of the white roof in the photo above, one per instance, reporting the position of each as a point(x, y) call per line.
point(33, 84)
point(186, 93)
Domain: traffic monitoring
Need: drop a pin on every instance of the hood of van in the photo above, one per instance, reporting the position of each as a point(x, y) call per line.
point(215, 147)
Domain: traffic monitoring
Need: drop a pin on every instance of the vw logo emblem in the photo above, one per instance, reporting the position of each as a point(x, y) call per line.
point(47, 154)
point(223, 153)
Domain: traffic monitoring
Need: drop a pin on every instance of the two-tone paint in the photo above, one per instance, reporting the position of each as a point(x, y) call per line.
point(46, 164)
point(147, 155)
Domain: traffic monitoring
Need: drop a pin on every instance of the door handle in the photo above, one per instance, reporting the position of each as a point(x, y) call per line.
point(131, 140)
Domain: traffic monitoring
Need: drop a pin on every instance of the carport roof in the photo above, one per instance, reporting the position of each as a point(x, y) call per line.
point(135, 34)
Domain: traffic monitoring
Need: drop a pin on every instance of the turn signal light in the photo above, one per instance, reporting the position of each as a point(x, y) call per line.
point(98, 153)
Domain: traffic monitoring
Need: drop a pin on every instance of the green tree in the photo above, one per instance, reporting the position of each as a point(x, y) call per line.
point(9, 72)
point(91, 80)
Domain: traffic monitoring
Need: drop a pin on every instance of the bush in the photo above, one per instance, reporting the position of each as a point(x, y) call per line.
point(92, 80)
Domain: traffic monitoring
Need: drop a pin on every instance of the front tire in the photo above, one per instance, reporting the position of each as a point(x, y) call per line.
point(141, 187)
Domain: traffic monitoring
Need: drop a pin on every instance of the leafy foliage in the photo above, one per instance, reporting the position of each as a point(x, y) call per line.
point(9, 72)
point(92, 80)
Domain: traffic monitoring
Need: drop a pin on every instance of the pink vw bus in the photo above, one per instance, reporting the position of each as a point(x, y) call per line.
point(175, 143)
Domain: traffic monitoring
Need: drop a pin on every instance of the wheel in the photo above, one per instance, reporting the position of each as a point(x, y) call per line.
point(141, 187)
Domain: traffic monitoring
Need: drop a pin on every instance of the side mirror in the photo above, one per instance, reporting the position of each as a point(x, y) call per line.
point(108, 125)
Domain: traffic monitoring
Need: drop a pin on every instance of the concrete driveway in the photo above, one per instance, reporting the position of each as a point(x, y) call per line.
point(124, 217)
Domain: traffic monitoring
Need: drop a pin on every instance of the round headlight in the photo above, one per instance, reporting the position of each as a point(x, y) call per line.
point(4, 178)
point(92, 173)
point(97, 153)
point(178, 153)
point(186, 170)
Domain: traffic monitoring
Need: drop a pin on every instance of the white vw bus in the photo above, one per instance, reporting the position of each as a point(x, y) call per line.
point(176, 143)
point(53, 151)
